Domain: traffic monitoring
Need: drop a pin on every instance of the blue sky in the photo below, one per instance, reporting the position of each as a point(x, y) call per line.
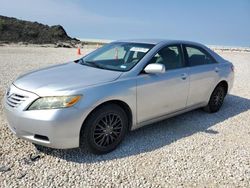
point(215, 22)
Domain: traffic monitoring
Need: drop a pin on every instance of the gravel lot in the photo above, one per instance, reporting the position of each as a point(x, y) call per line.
point(192, 150)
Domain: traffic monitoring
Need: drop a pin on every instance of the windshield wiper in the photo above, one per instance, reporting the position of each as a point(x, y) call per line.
point(91, 63)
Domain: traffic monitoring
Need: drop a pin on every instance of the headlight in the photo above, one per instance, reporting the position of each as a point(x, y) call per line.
point(54, 102)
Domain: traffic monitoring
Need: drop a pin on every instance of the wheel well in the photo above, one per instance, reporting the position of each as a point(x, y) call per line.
point(122, 104)
point(224, 84)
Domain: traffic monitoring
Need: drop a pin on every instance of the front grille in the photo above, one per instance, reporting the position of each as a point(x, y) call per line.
point(14, 100)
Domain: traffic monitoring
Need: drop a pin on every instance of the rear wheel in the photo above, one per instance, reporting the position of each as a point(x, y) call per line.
point(216, 99)
point(104, 129)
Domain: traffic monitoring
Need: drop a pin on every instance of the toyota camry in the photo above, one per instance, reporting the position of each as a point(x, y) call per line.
point(94, 101)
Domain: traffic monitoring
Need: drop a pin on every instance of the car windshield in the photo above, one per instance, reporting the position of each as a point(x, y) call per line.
point(119, 56)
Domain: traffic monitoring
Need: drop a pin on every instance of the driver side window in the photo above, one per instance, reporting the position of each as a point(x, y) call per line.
point(169, 56)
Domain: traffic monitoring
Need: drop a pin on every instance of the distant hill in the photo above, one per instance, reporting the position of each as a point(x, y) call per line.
point(15, 30)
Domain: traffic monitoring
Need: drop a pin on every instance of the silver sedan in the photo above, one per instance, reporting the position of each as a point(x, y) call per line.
point(93, 101)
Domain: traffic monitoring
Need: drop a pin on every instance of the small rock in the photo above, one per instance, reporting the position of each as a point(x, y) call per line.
point(34, 157)
point(21, 175)
point(4, 168)
point(26, 161)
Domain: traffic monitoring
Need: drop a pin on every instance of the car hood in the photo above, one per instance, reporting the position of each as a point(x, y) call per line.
point(64, 77)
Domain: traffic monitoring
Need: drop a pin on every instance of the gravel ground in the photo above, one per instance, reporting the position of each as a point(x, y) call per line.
point(192, 150)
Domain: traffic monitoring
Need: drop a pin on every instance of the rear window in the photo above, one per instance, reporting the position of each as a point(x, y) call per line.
point(197, 56)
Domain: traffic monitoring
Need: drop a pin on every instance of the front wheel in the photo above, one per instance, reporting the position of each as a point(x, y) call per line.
point(104, 129)
point(216, 99)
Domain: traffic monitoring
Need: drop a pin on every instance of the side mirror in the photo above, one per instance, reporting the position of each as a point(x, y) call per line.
point(154, 68)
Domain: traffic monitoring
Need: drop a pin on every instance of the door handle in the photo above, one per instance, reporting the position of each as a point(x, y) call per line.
point(184, 76)
point(216, 69)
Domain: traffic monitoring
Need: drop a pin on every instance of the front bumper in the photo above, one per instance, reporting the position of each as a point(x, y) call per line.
point(56, 128)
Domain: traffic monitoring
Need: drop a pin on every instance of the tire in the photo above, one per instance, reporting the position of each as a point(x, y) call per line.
point(216, 99)
point(104, 129)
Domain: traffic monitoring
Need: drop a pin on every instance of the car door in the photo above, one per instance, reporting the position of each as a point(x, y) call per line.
point(163, 93)
point(204, 74)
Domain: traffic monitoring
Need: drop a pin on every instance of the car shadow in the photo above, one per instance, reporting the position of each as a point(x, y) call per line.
point(157, 135)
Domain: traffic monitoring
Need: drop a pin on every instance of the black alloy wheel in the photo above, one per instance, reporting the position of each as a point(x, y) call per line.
point(107, 130)
point(104, 129)
point(216, 99)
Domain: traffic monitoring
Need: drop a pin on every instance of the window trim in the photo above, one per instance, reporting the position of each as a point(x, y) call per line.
point(164, 46)
point(184, 46)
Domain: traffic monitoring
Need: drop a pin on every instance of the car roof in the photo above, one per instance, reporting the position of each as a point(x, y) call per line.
point(166, 42)
point(157, 41)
